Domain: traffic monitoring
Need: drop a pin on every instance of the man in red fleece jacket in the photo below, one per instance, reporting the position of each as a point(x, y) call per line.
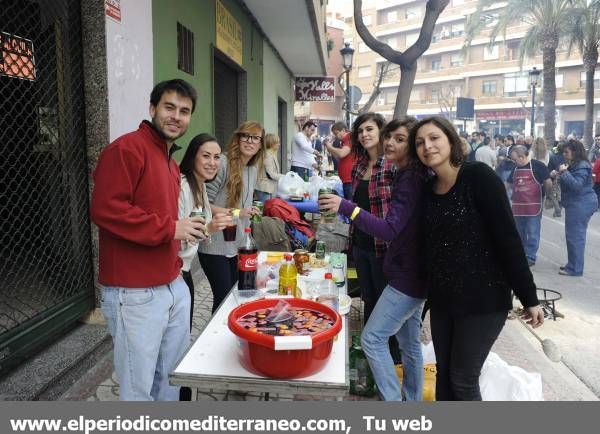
point(144, 298)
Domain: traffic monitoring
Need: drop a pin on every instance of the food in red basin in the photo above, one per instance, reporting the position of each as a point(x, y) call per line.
point(258, 354)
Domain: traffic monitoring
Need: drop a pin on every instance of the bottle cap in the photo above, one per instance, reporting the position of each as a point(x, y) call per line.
point(247, 230)
point(287, 257)
point(328, 276)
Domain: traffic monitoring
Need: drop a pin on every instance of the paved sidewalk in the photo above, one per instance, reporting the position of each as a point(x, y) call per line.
point(516, 346)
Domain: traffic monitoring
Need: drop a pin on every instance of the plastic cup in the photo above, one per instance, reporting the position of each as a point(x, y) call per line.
point(229, 233)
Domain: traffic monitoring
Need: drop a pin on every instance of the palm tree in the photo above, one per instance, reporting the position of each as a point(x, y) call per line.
point(546, 19)
point(584, 32)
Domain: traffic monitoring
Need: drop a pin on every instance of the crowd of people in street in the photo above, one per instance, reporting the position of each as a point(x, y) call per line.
point(436, 217)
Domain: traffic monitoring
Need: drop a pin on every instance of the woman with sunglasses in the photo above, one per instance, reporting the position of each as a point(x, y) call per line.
point(231, 192)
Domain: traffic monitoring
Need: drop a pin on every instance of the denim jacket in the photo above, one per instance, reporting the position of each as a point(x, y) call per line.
point(576, 184)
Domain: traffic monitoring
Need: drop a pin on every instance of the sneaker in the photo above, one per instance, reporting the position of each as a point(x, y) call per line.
point(563, 268)
point(566, 273)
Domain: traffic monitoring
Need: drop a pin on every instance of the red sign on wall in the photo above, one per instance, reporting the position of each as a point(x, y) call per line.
point(315, 89)
point(17, 58)
point(503, 115)
point(112, 9)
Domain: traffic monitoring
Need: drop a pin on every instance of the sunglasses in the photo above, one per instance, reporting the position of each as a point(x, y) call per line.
point(245, 137)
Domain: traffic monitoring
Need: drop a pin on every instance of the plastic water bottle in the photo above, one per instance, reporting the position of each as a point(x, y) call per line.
point(329, 293)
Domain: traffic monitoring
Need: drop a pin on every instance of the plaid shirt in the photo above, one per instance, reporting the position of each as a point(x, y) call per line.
point(380, 191)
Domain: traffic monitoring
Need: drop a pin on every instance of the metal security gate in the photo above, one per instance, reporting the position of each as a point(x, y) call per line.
point(46, 279)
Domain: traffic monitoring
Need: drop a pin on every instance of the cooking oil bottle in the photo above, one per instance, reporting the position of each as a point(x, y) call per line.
point(287, 277)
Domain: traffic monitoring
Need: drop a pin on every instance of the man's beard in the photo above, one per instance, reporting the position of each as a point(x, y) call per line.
point(162, 134)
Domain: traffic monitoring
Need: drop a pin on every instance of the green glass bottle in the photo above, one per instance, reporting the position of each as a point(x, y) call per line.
point(361, 377)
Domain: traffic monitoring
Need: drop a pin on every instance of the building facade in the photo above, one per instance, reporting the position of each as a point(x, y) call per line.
point(77, 74)
point(492, 76)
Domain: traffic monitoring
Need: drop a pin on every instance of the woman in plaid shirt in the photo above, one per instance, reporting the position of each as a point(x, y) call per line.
point(372, 179)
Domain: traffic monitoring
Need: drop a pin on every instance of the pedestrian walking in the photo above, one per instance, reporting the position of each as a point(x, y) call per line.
point(580, 203)
point(398, 310)
point(231, 192)
point(145, 301)
point(473, 257)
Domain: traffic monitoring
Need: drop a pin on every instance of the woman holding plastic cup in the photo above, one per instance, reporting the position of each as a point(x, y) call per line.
point(231, 192)
point(398, 310)
point(200, 164)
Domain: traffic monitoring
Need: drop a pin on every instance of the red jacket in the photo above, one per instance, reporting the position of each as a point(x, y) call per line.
point(134, 204)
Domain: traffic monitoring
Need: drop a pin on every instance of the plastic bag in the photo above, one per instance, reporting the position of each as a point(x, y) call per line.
point(279, 313)
point(429, 373)
point(500, 381)
point(290, 185)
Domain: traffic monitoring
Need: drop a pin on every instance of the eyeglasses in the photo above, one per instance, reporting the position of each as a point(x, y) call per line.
point(245, 137)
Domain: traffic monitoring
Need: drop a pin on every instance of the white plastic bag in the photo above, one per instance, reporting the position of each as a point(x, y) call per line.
point(500, 381)
point(428, 353)
point(290, 185)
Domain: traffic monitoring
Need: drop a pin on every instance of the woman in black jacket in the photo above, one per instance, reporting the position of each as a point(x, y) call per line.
point(473, 257)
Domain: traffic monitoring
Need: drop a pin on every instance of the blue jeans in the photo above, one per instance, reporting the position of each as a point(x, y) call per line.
point(577, 217)
point(263, 196)
point(529, 229)
point(302, 171)
point(150, 331)
point(395, 314)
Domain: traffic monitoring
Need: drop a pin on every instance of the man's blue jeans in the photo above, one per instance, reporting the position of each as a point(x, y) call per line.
point(529, 229)
point(395, 314)
point(150, 330)
point(577, 217)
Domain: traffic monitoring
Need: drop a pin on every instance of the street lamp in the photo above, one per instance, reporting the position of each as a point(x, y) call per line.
point(534, 75)
point(347, 52)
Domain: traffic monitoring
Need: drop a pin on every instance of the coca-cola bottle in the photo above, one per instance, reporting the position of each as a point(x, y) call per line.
point(247, 262)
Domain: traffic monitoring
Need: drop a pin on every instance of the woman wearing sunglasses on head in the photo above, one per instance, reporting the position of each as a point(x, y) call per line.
point(231, 192)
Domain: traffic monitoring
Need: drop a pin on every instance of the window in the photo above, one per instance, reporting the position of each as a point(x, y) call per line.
point(558, 79)
point(436, 64)
point(457, 59)
point(415, 95)
point(390, 96)
point(488, 88)
point(411, 38)
point(367, 20)
point(516, 84)
point(490, 53)
point(362, 47)
point(582, 79)
point(435, 95)
point(512, 50)
point(364, 71)
point(392, 17)
point(185, 49)
point(457, 29)
point(413, 12)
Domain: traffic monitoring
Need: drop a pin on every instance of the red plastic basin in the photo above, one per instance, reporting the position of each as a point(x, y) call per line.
point(257, 351)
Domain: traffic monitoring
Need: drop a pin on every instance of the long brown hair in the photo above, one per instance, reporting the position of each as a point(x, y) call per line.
point(187, 165)
point(357, 148)
point(235, 181)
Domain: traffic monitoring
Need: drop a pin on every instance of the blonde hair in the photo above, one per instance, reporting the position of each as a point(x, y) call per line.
point(235, 181)
point(540, 150)
point(271, 140)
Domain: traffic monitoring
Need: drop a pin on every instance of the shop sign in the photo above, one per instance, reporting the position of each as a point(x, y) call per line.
point(229, 34)
point(503, 115)
point(17, 57)
point(315, 89)
point(112, 9)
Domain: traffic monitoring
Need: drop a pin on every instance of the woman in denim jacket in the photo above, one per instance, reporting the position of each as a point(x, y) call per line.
point(580, 203)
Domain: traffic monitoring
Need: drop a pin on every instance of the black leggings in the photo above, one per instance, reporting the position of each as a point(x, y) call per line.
point(221, 273)
point(461, 344)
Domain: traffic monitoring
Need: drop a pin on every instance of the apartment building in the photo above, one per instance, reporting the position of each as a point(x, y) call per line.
point(492, 76)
